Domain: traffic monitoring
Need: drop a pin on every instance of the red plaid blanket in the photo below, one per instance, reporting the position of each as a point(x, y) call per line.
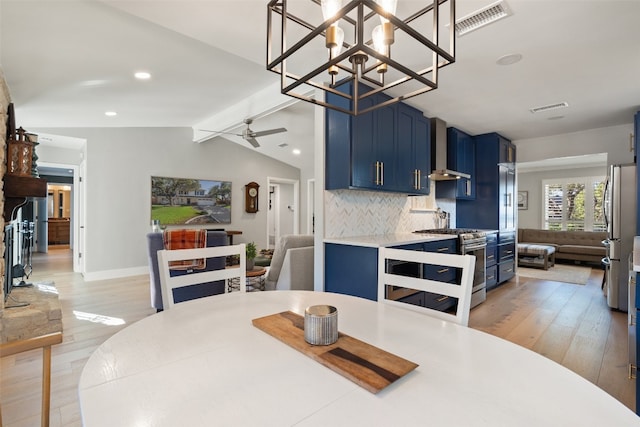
point(185, 239)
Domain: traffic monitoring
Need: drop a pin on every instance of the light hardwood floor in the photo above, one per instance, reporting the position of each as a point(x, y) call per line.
point(568, 323)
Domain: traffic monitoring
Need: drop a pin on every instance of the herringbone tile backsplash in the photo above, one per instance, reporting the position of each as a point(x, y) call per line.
point(363, 213)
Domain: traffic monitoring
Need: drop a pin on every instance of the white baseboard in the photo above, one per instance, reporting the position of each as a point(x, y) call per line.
point(115, 274)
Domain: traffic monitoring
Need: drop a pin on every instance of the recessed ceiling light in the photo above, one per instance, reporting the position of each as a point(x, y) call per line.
point(510, 59)
point(296, 151)
point(142, 75)
point(110, 113)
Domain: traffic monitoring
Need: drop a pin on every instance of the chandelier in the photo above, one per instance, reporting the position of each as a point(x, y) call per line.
point(385, 55)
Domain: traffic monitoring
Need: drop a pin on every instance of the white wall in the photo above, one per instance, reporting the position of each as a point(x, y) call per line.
point(532, 183)
point(612, 140)
point(120, 163)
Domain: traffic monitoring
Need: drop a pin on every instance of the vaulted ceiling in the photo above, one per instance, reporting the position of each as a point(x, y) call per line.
point(68, 62)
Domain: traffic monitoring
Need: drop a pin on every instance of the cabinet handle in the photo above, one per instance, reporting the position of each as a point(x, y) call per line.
point(382, 173)
point(508, 201)
point(631, 143)
point(445, 249)
point(468, 193)
point(416, 179)
point(442, 299)
point(508, 252)
point(378, 182)
point(377, 175)
point(490, 277)
point(489, 256)
point(510, 270)
point(444, 270)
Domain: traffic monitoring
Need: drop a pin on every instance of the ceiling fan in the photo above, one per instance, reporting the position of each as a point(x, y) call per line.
point(249, 135)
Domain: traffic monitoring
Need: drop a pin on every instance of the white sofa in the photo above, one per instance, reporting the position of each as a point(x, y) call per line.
point(292, 264)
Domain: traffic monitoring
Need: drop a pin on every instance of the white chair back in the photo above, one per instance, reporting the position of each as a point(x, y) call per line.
point(170, 283)
point(461, 291)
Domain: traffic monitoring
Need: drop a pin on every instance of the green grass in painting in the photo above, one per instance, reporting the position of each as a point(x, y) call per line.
point(174, 214)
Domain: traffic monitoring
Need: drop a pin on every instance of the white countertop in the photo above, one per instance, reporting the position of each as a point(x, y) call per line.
point(636, 253)
point(385, 240)
point(203, 363)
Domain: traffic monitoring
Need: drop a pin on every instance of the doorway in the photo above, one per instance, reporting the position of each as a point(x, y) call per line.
point(282, 213)
point(57, 218)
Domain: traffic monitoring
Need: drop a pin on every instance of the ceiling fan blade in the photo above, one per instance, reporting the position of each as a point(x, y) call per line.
point(252, 141)
point(220, 132)
point(268, 132)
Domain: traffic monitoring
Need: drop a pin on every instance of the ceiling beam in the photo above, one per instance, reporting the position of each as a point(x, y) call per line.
point(261, 104)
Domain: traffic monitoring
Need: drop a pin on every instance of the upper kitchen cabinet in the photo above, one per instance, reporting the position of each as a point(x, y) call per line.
point(495, 205)
point(461, 157)
point(414, 159)
point(387, 149)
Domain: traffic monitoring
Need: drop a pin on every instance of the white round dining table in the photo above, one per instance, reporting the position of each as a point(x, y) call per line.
point(203, 363)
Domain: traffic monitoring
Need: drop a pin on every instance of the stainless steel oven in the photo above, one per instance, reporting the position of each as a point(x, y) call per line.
point(478, 247)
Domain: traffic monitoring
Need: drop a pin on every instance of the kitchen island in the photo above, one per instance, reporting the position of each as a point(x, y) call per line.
point(351, 263)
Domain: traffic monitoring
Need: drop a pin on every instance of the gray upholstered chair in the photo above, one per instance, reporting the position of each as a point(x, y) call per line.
point(292, 264)
point(155, 243)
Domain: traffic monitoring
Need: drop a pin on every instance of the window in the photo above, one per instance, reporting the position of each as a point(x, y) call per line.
point(573, 204)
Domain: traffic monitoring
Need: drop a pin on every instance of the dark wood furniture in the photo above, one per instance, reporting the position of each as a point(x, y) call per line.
point(58, 231)
point(17, 189)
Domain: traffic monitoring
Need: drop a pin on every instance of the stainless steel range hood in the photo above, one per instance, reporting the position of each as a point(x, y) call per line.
point(440, 172)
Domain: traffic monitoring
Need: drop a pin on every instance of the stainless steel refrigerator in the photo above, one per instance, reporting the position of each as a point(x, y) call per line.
point(620, 216)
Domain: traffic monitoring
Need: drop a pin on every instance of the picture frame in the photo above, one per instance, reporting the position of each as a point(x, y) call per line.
point(523, 200)
point(177, 201)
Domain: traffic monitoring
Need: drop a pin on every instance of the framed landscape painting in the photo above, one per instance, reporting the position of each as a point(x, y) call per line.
point(190, 201)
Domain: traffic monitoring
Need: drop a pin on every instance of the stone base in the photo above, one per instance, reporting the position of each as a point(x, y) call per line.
point(42, 316)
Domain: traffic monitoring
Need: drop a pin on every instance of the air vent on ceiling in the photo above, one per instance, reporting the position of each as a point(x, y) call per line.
point(549, 107)
point(284, 144)
point(482, 17)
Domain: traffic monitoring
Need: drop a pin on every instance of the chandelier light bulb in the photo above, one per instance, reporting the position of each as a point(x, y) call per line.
point(381, 45)
point(334, 49)
point(389, 6)
point(330, 8)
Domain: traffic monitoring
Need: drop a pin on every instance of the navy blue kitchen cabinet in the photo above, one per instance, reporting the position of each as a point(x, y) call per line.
point(440, 273)
point(387, 149)
point(495, 205)
point(491, 261)
point(414, 149)
point(506, 255)
point(351, 270)
point(461, 157)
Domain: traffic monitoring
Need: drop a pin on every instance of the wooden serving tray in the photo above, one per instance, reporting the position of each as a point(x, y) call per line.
point(366, 365)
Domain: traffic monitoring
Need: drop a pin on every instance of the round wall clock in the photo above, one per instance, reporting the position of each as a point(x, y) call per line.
point(251, 197)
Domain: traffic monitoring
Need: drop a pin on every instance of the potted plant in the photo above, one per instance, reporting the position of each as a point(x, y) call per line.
point(251, 254)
